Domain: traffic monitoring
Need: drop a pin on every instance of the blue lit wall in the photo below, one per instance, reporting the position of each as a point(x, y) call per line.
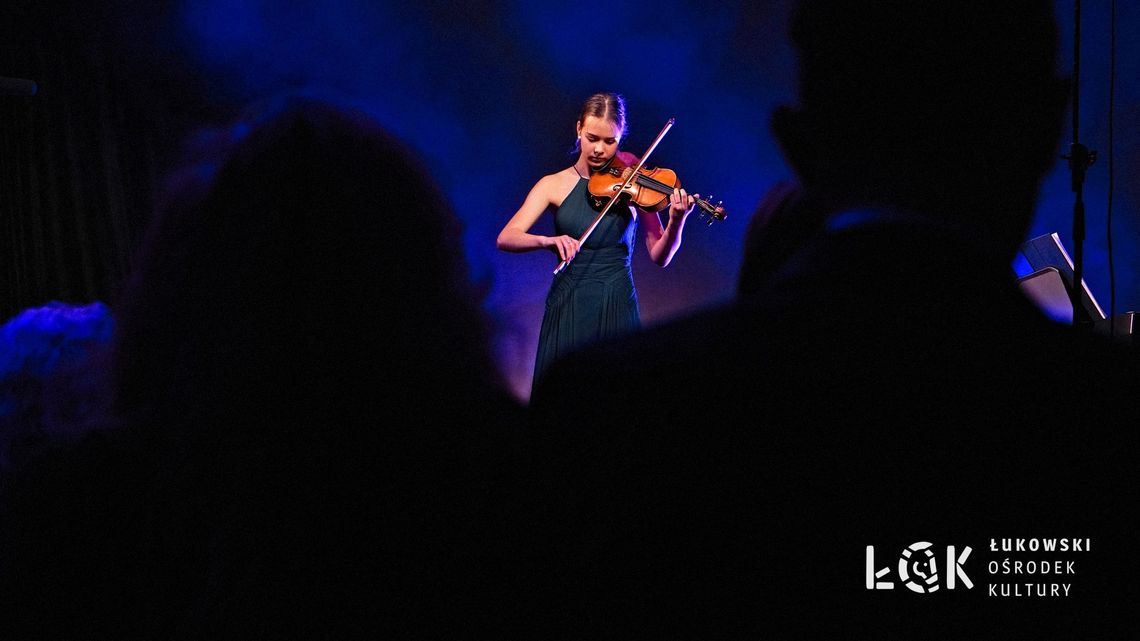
point(487, 92)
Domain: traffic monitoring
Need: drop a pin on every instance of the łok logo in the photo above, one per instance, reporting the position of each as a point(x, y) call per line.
point(918, 569)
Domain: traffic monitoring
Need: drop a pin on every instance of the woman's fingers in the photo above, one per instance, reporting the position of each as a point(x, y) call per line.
point(567, 247)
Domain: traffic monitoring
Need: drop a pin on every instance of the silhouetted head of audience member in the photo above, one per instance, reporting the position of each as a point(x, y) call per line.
point(952, 109)
point(312, 423)
point(308, 262)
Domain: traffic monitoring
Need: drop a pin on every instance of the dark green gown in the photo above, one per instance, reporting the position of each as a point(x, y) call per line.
point(594, 297)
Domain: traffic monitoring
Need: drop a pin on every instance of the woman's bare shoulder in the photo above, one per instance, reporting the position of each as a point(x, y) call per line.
point(555, 186)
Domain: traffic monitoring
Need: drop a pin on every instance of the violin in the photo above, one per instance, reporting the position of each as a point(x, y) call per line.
point(650, 190)
point(618, 176)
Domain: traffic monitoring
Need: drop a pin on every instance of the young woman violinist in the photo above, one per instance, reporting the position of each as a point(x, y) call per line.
point(594, 297)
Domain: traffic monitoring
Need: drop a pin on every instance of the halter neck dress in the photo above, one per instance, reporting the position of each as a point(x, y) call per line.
point(594, 297)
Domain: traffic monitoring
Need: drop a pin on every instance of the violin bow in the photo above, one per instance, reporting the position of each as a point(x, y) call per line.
point(617, 192)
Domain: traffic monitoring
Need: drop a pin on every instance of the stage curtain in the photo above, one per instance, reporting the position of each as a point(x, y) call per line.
point(81, 162)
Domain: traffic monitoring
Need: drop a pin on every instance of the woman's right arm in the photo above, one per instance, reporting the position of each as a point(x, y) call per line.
point(516, 236)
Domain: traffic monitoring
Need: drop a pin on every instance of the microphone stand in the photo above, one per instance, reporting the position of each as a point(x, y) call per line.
point(1080, 159)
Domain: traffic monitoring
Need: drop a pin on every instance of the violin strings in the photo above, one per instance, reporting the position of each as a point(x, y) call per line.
point(642, 179)
point(653, 183)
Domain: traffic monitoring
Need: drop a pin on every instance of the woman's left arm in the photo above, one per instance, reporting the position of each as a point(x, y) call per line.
point(663, 242)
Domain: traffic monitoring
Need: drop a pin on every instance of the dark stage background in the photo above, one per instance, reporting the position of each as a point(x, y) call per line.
point(487, 94)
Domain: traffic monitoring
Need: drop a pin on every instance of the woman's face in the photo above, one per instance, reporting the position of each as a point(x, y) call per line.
point(599, 140)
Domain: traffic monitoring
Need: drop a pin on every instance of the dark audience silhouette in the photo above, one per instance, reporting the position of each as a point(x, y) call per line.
point(53, 382)
point(312, 432)
point(781, 222)
point(880, 381)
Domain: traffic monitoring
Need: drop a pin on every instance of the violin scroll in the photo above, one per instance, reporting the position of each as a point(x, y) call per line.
point(714, 212)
